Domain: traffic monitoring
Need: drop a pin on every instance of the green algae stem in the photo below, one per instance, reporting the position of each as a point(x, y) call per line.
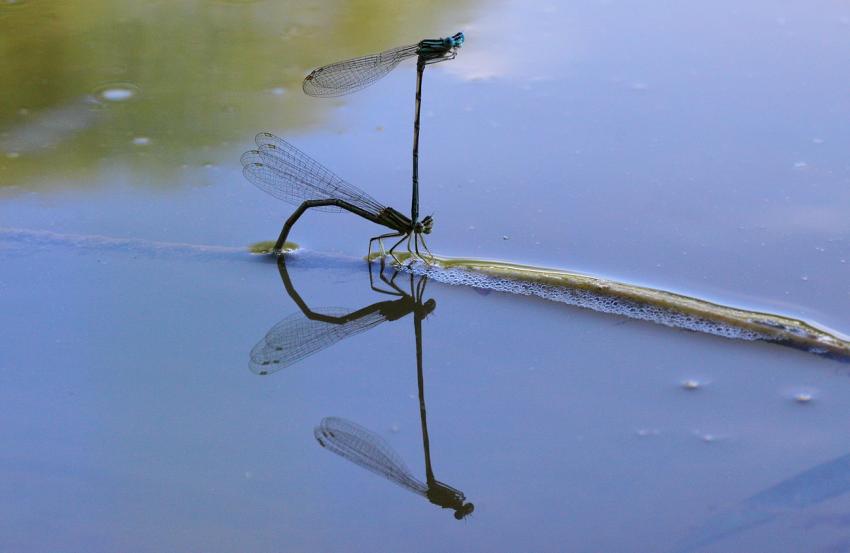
point(771, 327)
point(267, 247)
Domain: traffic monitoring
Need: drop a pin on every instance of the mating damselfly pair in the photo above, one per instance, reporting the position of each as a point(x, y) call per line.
point(284, 171)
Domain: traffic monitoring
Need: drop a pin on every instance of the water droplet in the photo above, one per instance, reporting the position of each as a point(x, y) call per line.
point(804, 278)
point(800, 165)
point(13, 155)
point(394, 428)
point(23, 111)
point(141, 141)
point(278, 91)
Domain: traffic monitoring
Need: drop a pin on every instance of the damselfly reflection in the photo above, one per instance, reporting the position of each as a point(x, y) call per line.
point(370, 451)
point(303, 334)
point(310, 331)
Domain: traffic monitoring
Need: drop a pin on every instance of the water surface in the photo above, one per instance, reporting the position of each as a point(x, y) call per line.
point(694, 148)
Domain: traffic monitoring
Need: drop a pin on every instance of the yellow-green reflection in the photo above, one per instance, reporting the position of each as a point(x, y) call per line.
point(165, 83)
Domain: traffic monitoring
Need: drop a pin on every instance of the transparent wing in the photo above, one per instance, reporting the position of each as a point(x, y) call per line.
point(297, 337)
point(364, 448)
point(348, 76)
point(282, 170)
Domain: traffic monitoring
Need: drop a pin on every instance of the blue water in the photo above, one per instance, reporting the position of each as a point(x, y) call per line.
point(696, 148)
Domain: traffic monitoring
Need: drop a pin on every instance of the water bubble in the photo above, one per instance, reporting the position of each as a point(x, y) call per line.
point(116, 92)
point(506, 237)
point(817, 140)
point(645, 432)
point(278, 91)
point(691, 384)
point(13, 155)
point(803, 397)
point(23, 111)
point(800, 165)
point(804, 278)
point(141, 141)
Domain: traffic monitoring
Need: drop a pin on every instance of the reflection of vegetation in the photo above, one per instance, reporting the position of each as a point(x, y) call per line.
point(206, 73)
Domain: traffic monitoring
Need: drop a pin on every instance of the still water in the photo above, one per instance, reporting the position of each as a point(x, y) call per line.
point(163, 389)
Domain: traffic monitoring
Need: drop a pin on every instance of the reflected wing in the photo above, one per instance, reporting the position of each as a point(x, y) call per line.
point(297, 337)
point(364, 448)
point(348, 76)
point(287, 173)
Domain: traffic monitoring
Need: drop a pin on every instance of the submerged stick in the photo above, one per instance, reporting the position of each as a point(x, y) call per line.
point(640, 302)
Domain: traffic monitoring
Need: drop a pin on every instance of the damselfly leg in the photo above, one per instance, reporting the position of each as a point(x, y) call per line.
point(392, 250)
point(427, 249)
point(380, 240)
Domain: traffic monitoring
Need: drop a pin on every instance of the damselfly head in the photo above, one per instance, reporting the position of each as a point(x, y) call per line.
point(426, 225)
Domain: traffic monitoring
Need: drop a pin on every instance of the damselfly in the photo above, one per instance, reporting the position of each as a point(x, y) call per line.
point(355, 74)
point(287, 173)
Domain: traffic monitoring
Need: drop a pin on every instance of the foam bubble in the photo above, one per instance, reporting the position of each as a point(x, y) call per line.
point(584, 298)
